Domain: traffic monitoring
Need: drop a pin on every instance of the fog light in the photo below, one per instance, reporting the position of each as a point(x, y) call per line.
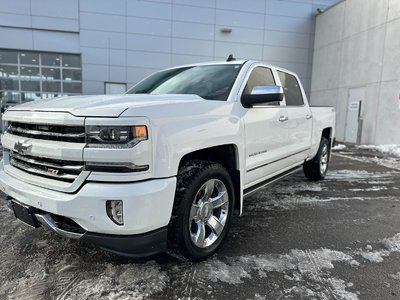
point(114, 210)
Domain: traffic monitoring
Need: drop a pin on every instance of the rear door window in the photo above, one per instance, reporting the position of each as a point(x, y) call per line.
point(291, 88)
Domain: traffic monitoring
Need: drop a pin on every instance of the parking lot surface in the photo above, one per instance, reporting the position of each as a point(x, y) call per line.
point(334, 239)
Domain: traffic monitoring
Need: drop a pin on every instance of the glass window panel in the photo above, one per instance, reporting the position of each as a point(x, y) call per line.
point(51, 86)
point(72, 74)
point(30, 73)
point(8, 84)
point(49, 59)
point(72, 87)
point(51, 95)
point(28, 58)
point(8, 57)
point(50, 74)
point(9, 97)
point(30, 85)
point(73, 61)
point(8, 71)
point(26, 97)
point(291, 88)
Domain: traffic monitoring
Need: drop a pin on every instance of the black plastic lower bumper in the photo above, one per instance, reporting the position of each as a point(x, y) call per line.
point(138, 245)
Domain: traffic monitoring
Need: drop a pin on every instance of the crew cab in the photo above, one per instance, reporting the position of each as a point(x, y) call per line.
point(166, 165)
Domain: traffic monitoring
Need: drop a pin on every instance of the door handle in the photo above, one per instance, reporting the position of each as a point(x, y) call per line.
point(283, 119)
point(308, 117)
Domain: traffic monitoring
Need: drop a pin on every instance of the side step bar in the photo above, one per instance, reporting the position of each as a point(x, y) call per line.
point(251, 190)
point(47, 221)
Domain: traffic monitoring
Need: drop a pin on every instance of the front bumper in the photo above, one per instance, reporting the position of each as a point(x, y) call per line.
point(147, 209)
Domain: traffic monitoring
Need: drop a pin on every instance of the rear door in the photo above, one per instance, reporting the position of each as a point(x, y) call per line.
point(266, 136)
point(299, 118)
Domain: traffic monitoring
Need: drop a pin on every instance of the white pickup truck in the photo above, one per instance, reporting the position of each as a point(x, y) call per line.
point(166, 165)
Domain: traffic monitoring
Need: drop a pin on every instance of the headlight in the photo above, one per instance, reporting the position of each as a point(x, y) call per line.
point(115, 136)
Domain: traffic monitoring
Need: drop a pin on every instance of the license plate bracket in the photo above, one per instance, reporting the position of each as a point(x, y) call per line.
point(24, 214)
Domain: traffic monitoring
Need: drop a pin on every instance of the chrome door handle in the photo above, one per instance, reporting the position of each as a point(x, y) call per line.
point(283, 119)
point(308, 117)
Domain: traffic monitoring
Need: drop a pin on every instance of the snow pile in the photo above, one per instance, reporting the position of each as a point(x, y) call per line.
point(339, 147)
point(392, 149)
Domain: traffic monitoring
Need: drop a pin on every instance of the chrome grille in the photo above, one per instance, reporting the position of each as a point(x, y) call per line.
point(74, 134)
point(51, 168)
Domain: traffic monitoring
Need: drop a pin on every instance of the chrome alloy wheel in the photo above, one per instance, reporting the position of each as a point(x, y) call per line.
point(324, 159)
point(208, 214)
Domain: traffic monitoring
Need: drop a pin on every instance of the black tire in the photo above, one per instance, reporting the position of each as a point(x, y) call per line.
point(192, 178)
point(314, 169)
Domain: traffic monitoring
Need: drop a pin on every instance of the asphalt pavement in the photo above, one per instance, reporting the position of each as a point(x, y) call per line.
point(334, 239)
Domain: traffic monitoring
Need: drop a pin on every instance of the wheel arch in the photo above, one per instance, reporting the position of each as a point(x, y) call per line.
point(228, 156)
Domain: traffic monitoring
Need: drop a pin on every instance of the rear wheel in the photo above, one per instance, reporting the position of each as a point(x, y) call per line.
point(202, 211)
point(316, 168)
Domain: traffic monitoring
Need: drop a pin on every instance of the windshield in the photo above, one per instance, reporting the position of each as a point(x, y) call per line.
point(212, 82)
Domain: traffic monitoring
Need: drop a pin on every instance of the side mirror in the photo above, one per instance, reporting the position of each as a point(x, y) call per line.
point(263, 94)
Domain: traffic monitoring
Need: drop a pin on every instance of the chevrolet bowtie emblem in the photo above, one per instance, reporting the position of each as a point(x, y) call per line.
point(22, 147)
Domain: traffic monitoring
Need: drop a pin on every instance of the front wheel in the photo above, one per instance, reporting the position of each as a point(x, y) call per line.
point(316, 168)
point(203, 209)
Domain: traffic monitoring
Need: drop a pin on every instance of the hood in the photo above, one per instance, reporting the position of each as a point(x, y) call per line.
point(102, 105)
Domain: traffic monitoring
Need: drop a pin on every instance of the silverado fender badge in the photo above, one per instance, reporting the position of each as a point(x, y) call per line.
point(22, 146)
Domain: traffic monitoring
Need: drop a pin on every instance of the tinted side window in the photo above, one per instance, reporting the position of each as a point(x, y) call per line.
point(259, 76)
point(291, 88)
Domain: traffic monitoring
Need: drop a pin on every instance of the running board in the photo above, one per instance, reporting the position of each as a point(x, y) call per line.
point(251, 190)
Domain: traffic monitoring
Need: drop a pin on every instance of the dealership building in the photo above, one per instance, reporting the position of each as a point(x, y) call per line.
point(69, 47)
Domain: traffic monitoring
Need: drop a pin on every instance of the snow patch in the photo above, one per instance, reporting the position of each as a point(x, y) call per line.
point(339, 147)
point(392, 243)
point(371, 189)
point(395, 276)
point(392, 149)
point(374, 256)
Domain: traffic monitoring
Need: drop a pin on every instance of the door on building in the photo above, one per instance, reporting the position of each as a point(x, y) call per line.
point(353, 117)
point(114, 88)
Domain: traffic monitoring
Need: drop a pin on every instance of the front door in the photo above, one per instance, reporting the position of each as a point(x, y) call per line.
point(265, 133)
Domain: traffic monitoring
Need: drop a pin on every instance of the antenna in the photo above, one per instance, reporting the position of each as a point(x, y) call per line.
point(231, 58)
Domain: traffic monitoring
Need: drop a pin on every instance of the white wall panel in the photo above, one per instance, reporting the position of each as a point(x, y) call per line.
point(117, 74)
point(202, 3)
point(287, 39)
point(102, 39)
point(193, 14)
point(240, 35)
point(16, 38)
point(147, 9)
point(95, 72)
point(63, 24)
point(361, 15)
point(180, 59)
point(289, 24)
point(240, 19)
point(22, 7)
point(243, 51)
point(103, 22)
point(192, 30)
point(192, 47)
point(285, 54)
point(117, 7)
point(242, 5)
point(15, 20)
point(148, 43)
point(288, 8)
point(148, 59)
point(148, 26)
point(55, 8)
point(391, 62)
